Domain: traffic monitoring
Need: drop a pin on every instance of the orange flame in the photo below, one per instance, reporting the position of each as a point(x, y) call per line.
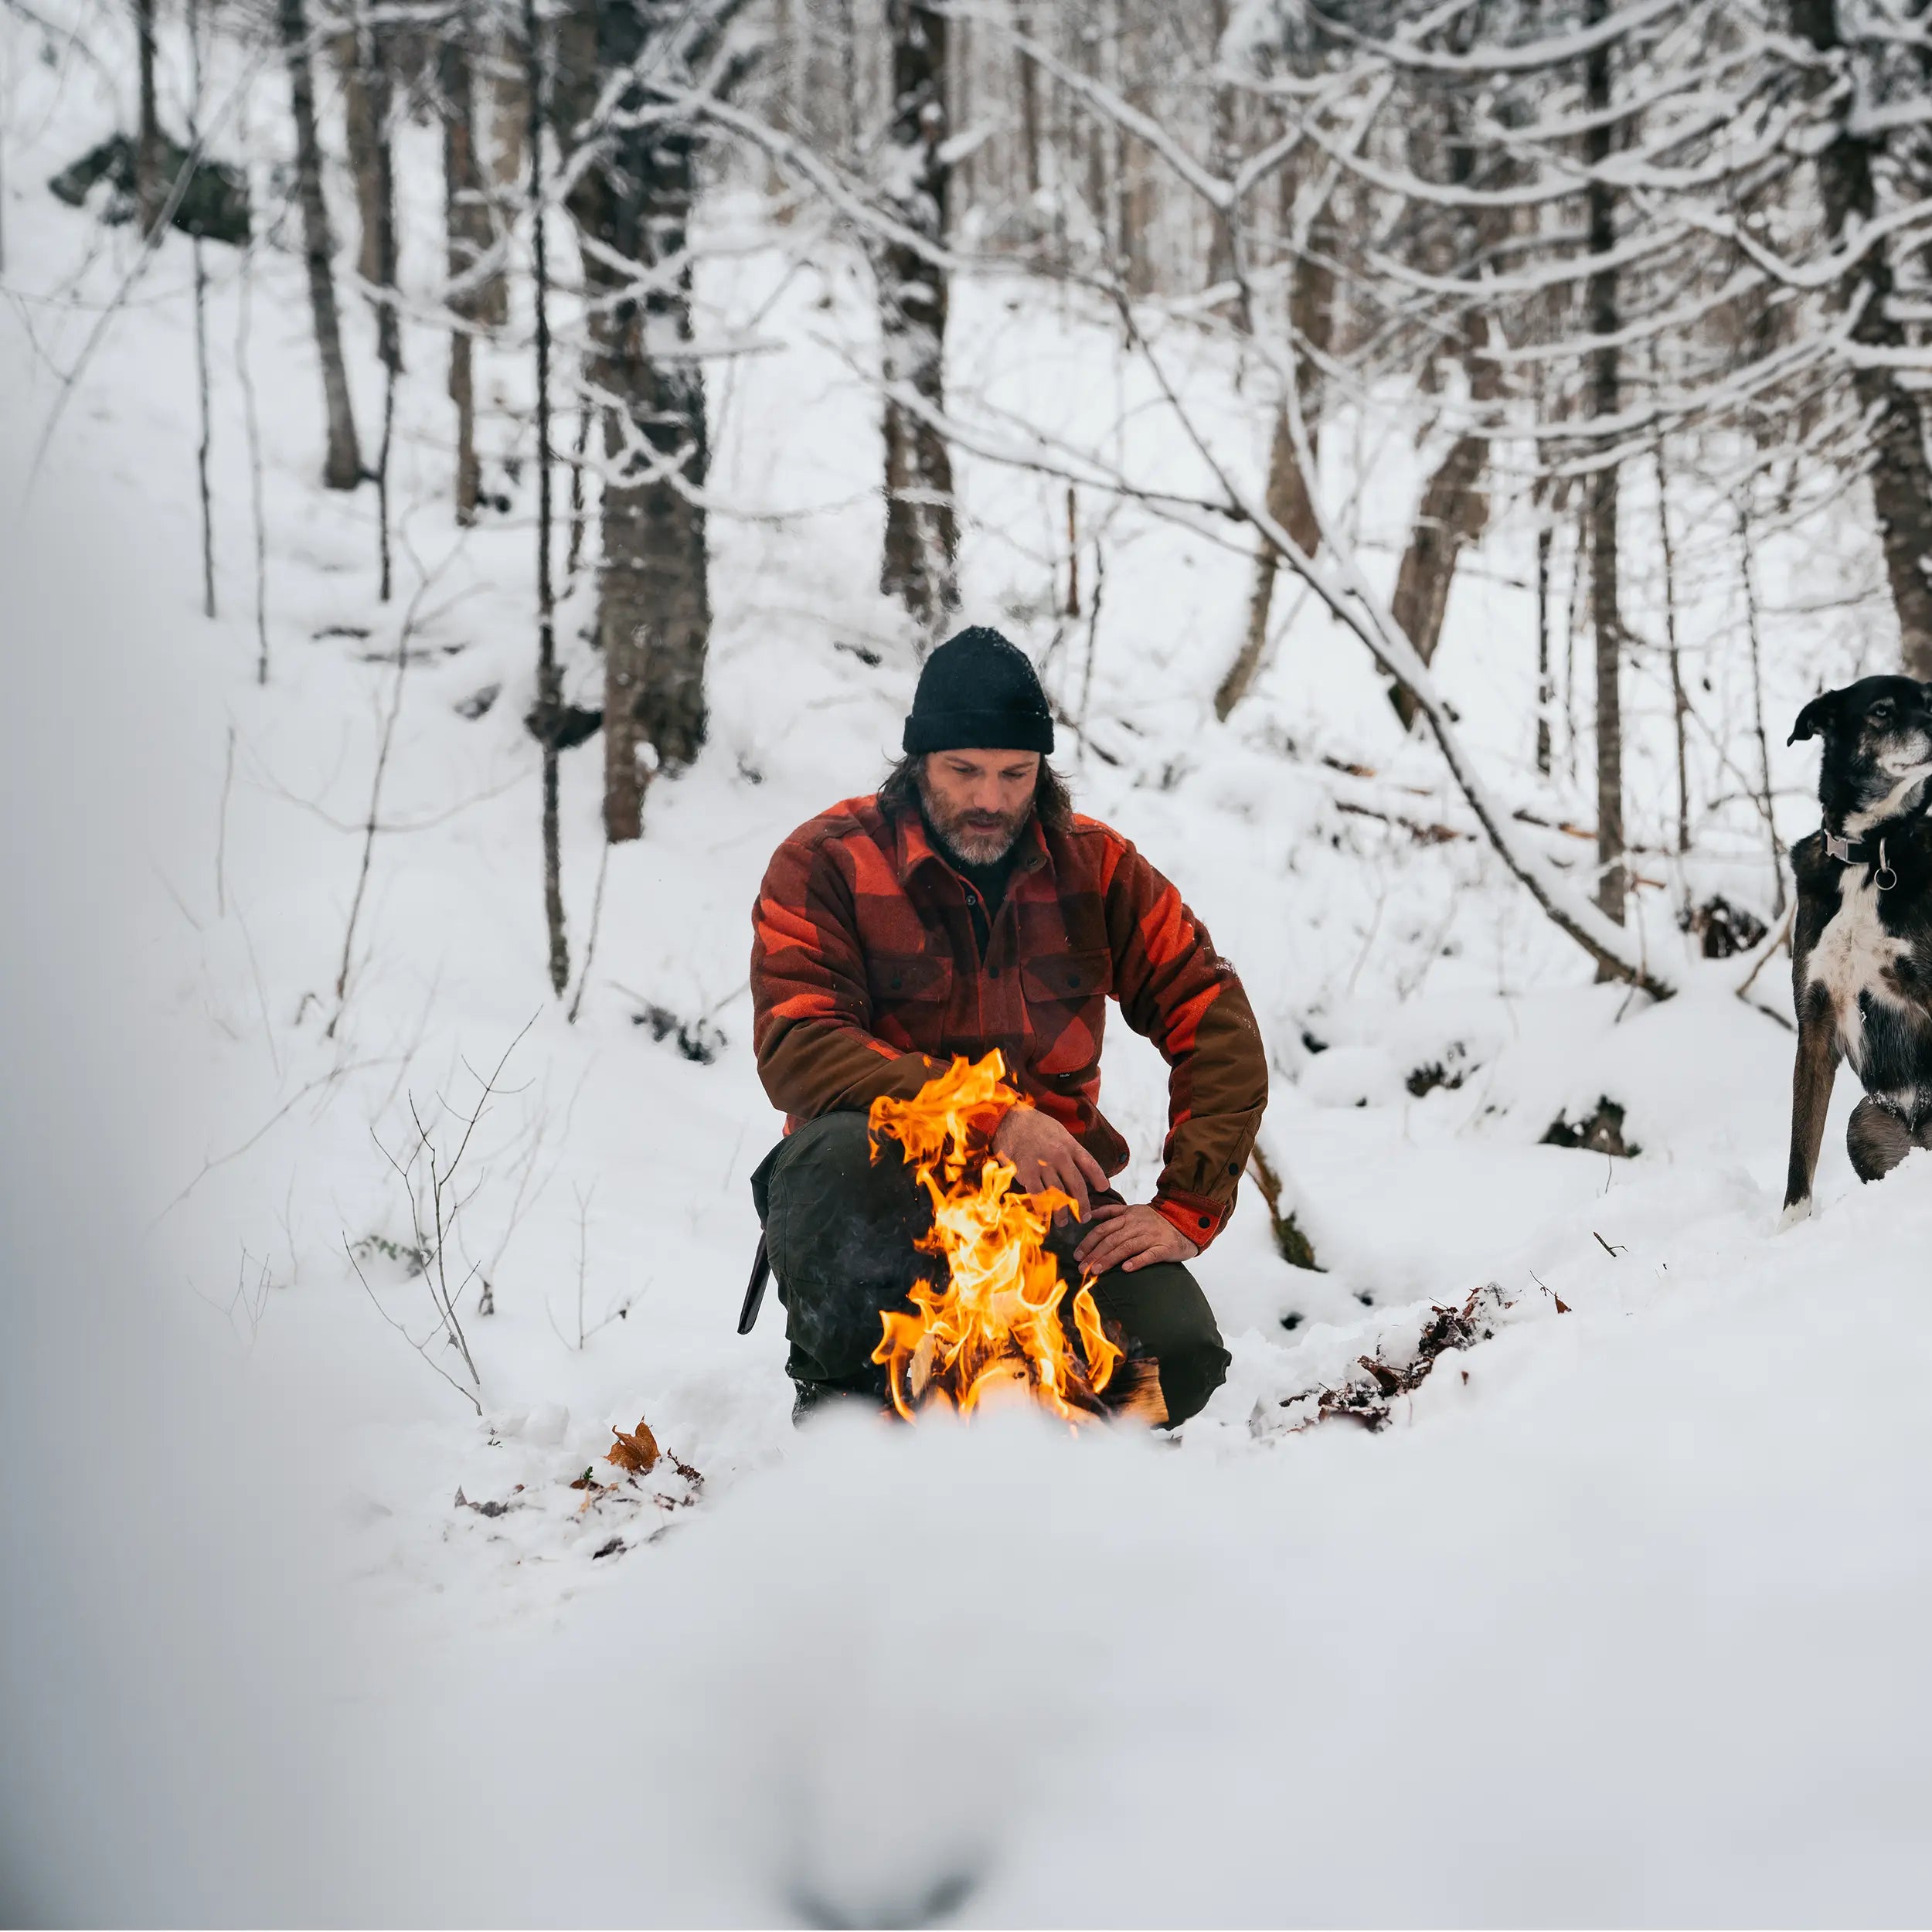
point(995, 1328)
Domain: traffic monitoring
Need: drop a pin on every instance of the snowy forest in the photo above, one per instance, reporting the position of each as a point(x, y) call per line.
point(475, 476)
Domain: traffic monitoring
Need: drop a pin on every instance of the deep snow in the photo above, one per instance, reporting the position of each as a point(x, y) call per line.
point(1620, 1619)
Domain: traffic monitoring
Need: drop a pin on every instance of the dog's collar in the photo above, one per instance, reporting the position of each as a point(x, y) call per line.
point(1858, 852)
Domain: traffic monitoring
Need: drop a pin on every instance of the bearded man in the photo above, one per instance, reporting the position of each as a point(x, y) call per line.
point(965, 906)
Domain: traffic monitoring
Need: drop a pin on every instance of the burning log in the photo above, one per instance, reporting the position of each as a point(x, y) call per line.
point(997, 1329)
point(1135, 1392)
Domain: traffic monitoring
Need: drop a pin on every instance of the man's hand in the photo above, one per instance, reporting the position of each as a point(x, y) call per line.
point(1131, 1238)
point(1044, 1155)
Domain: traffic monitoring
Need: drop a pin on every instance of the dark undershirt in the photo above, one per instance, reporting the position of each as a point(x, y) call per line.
point(989, 884)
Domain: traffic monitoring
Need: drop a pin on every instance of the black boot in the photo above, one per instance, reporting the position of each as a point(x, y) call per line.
point(811, 1397)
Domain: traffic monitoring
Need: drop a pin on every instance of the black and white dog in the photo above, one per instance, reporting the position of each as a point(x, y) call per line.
point(1862, 947)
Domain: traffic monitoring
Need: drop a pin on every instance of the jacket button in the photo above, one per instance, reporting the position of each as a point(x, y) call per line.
point(1206, 1221)
point(895, 984)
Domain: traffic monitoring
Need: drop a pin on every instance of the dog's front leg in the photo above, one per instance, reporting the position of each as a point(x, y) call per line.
point(1812, 1074)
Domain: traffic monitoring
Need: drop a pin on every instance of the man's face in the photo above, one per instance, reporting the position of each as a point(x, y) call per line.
point(978, 800)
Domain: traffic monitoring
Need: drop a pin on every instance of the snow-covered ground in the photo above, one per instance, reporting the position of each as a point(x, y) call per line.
point(1621, 1619)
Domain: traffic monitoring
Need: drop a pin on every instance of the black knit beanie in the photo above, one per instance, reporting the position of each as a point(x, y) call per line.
point(978, 692)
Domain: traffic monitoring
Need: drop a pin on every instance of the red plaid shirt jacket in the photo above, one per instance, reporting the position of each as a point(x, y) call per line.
point(866, 976)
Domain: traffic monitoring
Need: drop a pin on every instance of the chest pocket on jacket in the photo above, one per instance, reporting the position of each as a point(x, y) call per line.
point(1067, 976)
point(894, 979)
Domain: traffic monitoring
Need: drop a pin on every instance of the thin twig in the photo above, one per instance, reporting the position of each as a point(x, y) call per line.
point(221, 828)
point(373, 821)
point(422, 1347)
point(583, 1247)
point(208, 1166)
point(590, 947)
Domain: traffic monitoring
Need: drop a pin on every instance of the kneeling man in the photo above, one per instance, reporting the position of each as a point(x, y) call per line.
point(966, 907)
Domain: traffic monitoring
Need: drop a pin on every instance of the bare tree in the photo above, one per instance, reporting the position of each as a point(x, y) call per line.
point(632, 163)
point(1455, 510)
point(375, 53)
point(363, 135)
point(550, 694)
point(342, 466)
point(1291, 498)
point(1679, 697)
point(921, 551)
point(150, 190)
point(467, 227)
point(1605, 386)
point(1895, 423)
point(203, 399)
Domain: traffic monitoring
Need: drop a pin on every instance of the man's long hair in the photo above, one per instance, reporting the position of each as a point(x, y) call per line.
point(898, 793)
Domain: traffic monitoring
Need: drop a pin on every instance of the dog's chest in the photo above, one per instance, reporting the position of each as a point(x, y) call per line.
point(1856, 961)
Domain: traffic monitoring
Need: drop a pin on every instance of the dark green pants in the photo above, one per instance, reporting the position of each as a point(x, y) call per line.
point(840, 1232)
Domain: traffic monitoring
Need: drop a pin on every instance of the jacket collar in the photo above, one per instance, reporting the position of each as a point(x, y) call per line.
point(916, 849)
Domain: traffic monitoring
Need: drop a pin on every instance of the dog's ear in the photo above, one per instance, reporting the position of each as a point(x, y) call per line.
point(1814, 718)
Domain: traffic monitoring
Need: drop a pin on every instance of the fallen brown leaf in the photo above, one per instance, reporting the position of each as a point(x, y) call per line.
point(637, 1452)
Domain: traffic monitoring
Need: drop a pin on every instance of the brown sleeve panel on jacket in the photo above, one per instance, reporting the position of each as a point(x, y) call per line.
point(1176, 989)
point(811, 1014)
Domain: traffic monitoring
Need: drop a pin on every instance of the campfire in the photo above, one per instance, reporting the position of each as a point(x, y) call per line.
point(995, 1331)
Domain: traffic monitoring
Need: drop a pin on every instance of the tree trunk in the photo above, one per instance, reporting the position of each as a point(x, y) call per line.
point(1454, 513)
point(342, 469)
point(653, 619)
point(1901, 477)
point(964, 186)
point(1291, 506)
point(467, 226)
point(550, 694)
point(1135, 191)
point(1546, 690)
point(1605, 385)
point(360, 126)
point(150, 192)
point(376, 53)
point(1679, 698)
point(1289, 499)
point(1748, 566)
point(1223, 155)
point(853, 127)
point(509, 114)
point(1029, 128)
point(1087, 33)
point(204, 445)
point(921, 548)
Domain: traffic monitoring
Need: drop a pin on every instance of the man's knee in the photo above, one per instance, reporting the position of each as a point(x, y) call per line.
point(840, 1231)
point(1876, 1139)
point(825, 1204)
point(1163, 1309)
point(834, 1148)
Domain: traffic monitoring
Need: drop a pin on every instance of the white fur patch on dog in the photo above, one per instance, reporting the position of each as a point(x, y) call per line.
point(1851, 957)
point(1907, 771)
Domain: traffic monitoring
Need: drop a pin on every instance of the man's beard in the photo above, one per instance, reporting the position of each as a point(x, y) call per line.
point(978, 838)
